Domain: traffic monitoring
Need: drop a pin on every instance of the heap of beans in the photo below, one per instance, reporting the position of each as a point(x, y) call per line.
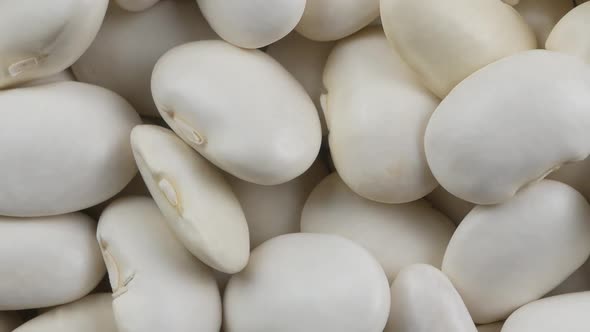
point(294, 166)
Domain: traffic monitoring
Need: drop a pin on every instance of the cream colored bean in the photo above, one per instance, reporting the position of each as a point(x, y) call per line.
point(541, 234)
point(9, 321)
point(485, 149)
point(252, 24)
point(262, 127)
point(136, 5)
point(424, 300)
point(494, 327)
point(140, 39)
point(157, 284)
point(93, 313)
point(305, 60)
point(276, 210)
point(199, 205)
point(559, 313)
point(65, 147)
point(570, 35)
point(446, 41)
point(42, 38)
point(308, 282)
point(542, 15)
point(396, 234)
point(325, 20)
point(453, 207)
point(47, 261)
point(377, 114)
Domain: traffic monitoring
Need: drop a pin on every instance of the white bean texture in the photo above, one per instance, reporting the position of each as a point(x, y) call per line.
point(157, 284)
point(304, 282)
point(484, 150)
point(377, 113)
point(507, 245)
point(58, 260)
point(76, 152)
point(268, 132)
point(197, 202)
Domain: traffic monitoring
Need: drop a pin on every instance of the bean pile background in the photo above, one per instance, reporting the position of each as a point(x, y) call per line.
point(294, 166)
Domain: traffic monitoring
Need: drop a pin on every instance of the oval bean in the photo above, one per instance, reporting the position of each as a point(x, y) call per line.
point(74, 153)
point(307, 282)
point(58, 260)
point(541, 234)
point(485, 149)
point(377, 113)
point(267, 133)
point(199, 205)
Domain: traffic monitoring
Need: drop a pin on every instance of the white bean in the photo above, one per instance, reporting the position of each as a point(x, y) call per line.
point(532, 119)
point(47, 261)
point(262, 127)
point(199, 205)
point(377, 113)
point(541, 234)
point(65, 147)
point(157, 284)
point(424, 300)
point(308, 282)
